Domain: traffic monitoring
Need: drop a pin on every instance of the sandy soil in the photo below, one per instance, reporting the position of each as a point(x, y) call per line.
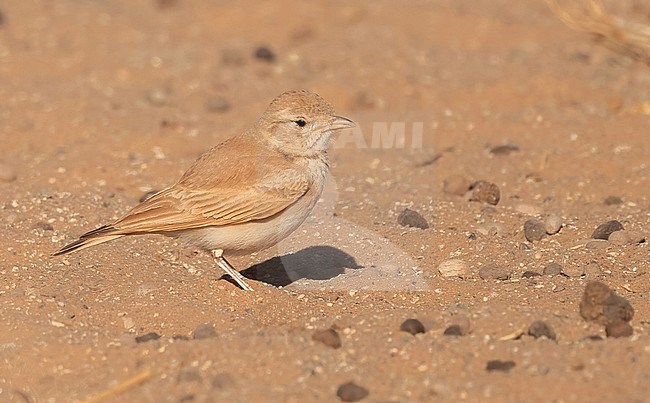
point(105, 101)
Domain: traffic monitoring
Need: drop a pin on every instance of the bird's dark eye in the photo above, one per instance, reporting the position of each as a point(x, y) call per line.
point(300, 122)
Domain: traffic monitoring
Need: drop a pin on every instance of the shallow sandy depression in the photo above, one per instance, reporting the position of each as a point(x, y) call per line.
point(103, 102)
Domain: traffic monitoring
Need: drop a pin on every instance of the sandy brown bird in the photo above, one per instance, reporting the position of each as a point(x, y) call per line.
point(245, 194)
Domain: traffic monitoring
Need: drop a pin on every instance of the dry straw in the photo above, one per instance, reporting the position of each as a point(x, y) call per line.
point(628, 37)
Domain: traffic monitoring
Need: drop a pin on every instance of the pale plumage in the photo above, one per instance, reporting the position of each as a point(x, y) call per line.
point(246, 193)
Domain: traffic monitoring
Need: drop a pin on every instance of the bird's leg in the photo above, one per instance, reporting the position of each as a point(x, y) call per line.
point(231, 271)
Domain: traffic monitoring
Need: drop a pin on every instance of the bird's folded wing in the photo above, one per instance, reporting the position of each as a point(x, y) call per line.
point(180, 207)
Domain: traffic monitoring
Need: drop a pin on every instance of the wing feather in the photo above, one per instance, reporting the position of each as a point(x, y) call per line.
point(179, 208)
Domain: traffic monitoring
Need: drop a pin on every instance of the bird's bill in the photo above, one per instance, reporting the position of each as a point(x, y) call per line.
point(340, 122)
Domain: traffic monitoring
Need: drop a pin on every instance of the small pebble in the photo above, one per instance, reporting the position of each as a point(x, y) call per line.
point(453, 330)
point(264, 53)
point(540, 328)
point(411, 218)
point(604, 230)
point(485, 192)
point(351, 392)
point(492, 272)
point(534, 230)
point(498, 365)
point(552, 224)
point(625, 238)
point(602, 305)
point(573, 271)
point(462, 321)
point(456, 185)
point(619, 329)
point(42, 225)
point(328, 337)
point(7, 173)
point(453, 268)
point(147, 337)
point(217, 104)
point(412, 326)
point(552, 269)
point(530, 274)
point(612, 200)
point(505, 149)
point(204, 331)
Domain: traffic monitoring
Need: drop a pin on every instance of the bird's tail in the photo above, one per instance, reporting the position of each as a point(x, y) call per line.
point(92, 238)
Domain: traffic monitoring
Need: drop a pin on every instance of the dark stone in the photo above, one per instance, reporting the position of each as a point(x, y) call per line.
point(264, 53)
point(453, 330)
point(602, 305)
point(147, 337)
point(492, 272)
point(204, 331)
point(604, 230)
point(534, 230)
point(619, 329)
point(540, 328)
point(411, 218)
point(412, 326)
point(351, 392)
point(506, 149)
point(530, 274)
point(552, 269)
point(498, 365)
point(42, 225)
point(328, 337)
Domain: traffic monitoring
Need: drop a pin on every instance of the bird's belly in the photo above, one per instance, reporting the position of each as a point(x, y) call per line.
point(251, 236)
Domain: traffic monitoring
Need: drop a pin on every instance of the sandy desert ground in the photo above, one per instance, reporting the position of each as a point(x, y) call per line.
point(105, 101)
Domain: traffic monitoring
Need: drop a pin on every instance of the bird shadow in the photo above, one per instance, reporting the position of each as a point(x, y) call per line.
point(313, 263)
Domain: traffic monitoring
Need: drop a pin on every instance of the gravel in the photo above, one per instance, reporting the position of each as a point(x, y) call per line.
point(147, 337)
point(493, 272)
point(552, 269)
point(604, 230)
point(602, 305)
point(351, 392)
point(534, 230)
point(328, 337)
point(412, 326)
point(540, 328)
point(411, 218)
point(485, 192)
point(500, 366)
point(204, 331)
